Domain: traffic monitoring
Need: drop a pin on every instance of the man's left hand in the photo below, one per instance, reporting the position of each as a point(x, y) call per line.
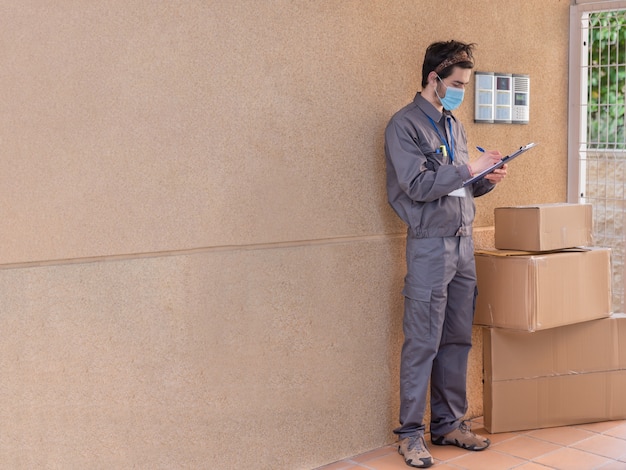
point(497, 175)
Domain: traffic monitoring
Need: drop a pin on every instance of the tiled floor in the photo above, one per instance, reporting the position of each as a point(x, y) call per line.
point(579, 447)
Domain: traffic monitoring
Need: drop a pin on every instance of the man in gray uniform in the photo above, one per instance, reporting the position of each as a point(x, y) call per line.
point(427, 162)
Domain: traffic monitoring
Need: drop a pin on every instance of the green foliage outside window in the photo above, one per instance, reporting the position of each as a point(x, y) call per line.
point(607, 80)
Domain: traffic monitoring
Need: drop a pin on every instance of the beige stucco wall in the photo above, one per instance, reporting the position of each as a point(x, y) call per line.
point(198, 266)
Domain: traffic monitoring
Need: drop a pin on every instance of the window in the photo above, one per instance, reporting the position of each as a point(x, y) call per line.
point(597, 138)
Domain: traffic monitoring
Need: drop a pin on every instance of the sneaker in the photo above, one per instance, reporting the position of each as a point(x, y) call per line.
point(415, 452)
point(462, 437)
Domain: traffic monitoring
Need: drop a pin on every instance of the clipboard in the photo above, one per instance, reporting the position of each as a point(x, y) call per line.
point(500, 164)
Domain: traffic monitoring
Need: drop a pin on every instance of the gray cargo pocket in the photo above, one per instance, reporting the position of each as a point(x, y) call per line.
point(417, 317)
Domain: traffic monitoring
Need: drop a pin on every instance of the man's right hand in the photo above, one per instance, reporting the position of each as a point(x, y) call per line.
point(486, 160)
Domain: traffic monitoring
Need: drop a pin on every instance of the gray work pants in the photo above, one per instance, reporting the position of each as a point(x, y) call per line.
point(440, 292)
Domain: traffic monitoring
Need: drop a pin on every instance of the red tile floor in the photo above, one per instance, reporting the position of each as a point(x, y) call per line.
point(578, 447)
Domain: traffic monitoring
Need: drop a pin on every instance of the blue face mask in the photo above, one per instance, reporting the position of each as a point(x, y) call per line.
point(453, 98)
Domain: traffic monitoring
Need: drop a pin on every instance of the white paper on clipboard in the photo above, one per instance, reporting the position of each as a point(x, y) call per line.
point(500, 164)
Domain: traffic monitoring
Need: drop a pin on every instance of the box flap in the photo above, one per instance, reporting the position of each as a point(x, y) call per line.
point(495, 252)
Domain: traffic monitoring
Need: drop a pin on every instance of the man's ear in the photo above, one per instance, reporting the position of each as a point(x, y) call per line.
point(432, 78)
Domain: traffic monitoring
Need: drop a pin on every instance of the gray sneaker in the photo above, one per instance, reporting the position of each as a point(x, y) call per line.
point(415, 452)
point(462, 437)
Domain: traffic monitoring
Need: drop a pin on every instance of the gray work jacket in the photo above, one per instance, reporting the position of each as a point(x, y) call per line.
point(420, 177)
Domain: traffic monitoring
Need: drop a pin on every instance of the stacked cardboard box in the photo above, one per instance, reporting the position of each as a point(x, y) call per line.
point(553, 353)
point(543, 227)
point(536, 291)
point(559, 376)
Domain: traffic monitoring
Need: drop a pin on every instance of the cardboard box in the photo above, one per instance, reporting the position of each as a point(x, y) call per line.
point(543, 227)
point(568, 375)
point(531, 292)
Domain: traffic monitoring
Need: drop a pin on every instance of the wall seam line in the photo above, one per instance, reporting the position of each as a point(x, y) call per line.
point(209, 249)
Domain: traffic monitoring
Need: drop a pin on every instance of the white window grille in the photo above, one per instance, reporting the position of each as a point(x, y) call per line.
point(597, 137)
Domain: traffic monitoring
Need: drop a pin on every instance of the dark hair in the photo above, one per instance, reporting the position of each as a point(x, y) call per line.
point(442, 57)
